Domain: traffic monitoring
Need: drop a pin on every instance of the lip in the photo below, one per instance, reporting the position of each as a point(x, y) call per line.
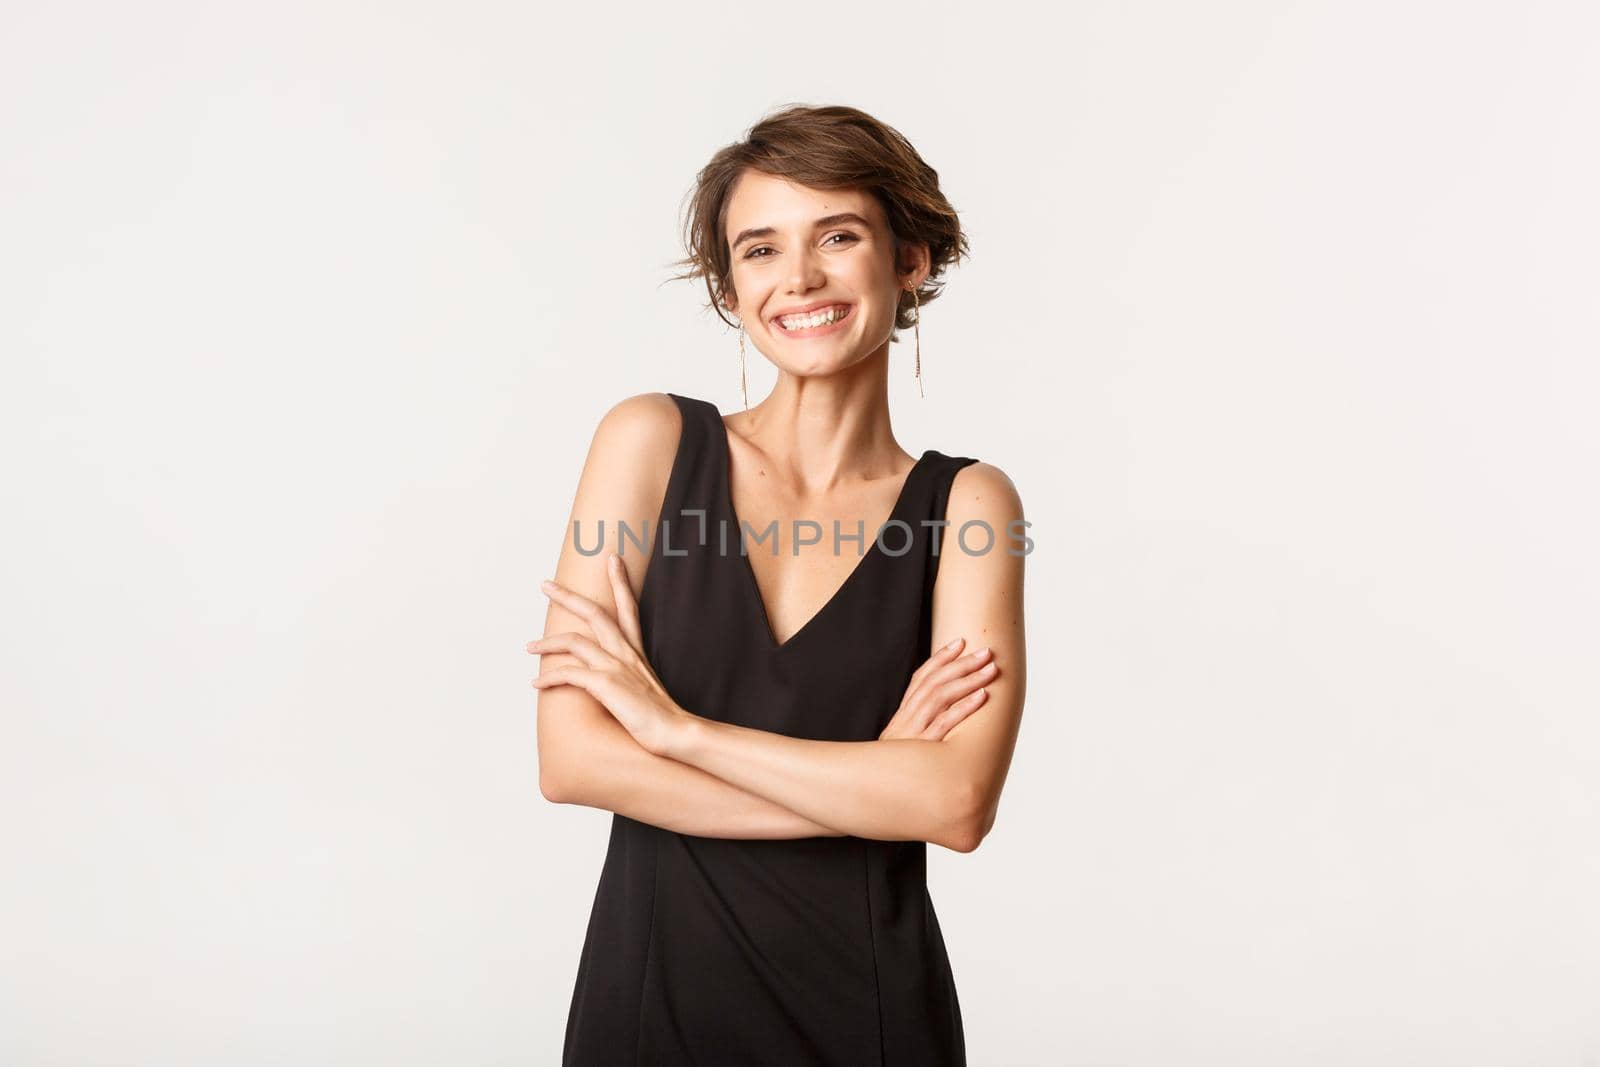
point(814, 331)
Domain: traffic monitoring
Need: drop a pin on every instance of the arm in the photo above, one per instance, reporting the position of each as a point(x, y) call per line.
point(895, 790)
point(946, 792)
point(615, 774)
point(585, 756)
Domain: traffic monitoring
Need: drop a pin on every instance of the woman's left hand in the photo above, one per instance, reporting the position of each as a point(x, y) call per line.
point(615, 671)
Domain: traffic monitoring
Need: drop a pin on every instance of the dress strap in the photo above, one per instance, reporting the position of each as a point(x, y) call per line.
point(693, 484)
point(940, 539)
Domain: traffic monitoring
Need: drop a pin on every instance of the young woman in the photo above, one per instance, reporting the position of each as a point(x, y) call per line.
point(773, 729)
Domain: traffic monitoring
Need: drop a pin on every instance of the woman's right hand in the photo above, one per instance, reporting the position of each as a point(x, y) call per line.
point(943, 691)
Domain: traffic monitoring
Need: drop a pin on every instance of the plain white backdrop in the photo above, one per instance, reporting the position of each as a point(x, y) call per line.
point(1281, 316)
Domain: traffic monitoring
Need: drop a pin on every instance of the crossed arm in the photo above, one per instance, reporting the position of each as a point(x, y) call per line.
point(719, 780)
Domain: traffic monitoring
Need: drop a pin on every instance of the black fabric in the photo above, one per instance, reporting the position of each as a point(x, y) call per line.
point(812, 952)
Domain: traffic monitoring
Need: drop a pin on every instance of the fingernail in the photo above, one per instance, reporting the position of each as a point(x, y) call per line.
point(984, 651)
point(545, 585)
point(952, 644)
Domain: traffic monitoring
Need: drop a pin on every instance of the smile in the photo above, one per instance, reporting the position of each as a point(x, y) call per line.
point(816, 322)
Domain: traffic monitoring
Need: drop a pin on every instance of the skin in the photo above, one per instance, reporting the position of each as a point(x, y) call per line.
point(821, 446)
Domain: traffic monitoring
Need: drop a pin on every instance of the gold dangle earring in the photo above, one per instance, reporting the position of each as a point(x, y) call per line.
point(742, 391)
point(917, 325)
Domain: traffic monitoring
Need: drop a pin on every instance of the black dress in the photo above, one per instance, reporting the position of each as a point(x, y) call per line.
point(817, 951)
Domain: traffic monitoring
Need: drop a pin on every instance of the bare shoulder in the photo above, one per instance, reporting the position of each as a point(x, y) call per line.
point(623, 485)
point(630, 457)
point(984, 492)
point(644, 420)
point(981, 553)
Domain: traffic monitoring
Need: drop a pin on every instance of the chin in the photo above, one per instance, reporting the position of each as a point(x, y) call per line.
point(821, 368)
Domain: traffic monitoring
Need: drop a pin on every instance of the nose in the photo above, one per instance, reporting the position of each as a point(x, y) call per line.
point(805, 269)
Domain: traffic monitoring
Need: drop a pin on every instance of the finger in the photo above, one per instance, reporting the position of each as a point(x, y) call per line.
point(942, 723)
point(957, 713)
point(971, 663)
point(951, 669)
point(900, 723)
point(948, 692)
point(944, 655)
point(627, 607)
point(552, 677)
point(601, 624)
point(938, 695)
point(581, 677)
point(581, 645)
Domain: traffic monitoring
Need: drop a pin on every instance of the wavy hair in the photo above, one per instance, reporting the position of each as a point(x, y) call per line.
point(832, 147)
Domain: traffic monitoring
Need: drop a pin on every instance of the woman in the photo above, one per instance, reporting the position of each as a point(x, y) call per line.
point(770, 728)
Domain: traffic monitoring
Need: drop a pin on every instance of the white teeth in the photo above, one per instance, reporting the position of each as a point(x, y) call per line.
point(806, 322)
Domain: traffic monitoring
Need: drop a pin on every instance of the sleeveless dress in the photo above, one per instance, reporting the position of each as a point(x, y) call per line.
point(812, 952)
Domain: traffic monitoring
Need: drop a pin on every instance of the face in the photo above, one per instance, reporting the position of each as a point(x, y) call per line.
point(813, 274)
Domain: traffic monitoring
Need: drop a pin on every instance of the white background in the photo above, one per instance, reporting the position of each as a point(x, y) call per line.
point(1281, 316)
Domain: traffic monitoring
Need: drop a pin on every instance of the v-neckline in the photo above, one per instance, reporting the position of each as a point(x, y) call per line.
point(752, 587)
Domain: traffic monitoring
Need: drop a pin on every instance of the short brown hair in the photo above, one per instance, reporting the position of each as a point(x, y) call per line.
point(831, 147)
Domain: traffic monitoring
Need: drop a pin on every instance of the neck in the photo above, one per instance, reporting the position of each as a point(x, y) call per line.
point(824, 430)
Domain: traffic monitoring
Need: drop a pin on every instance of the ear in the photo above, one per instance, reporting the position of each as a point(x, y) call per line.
point(915, 261)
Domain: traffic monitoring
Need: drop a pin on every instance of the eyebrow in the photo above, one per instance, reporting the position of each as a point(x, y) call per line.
point(826, 220)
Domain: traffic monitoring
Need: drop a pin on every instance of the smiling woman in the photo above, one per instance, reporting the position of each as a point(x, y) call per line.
point(775, 732)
